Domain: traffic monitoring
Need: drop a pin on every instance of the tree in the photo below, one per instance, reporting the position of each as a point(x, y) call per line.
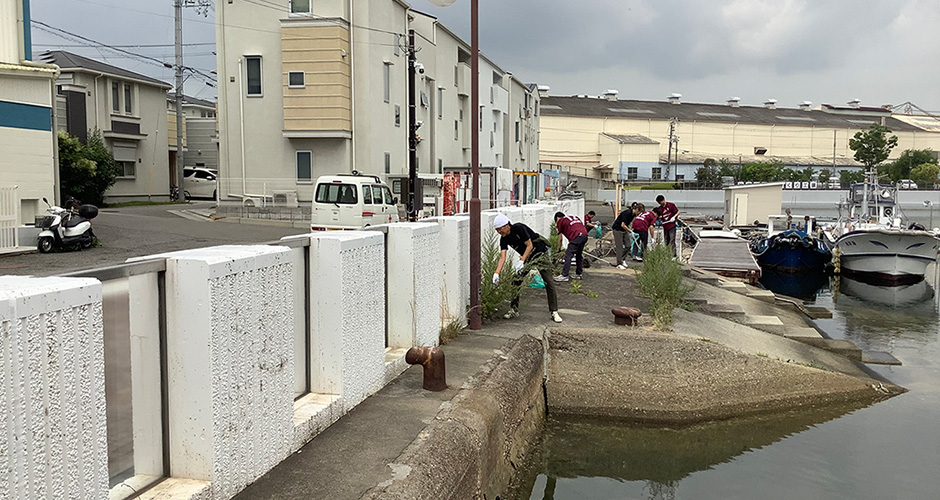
point(763, 171)
point(87, 170)
point(847, 177)
point(902, 167)
point(708, 174)
point(926, 175)
point(728, 169)
point(824, 175)
point(873, 145)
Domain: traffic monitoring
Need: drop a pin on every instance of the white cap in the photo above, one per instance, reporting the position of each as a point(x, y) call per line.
point(500, 221)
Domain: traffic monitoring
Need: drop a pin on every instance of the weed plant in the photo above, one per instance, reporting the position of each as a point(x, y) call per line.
point(660, 280)
point(492, 297)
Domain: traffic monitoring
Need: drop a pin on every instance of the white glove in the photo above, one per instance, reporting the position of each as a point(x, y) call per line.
point(518, 265)
point(495, 279)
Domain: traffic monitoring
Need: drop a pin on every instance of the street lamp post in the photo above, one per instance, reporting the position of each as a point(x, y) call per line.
point(475, 318)
point(929, 204)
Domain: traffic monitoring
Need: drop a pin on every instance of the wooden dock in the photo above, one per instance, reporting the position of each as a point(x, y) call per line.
point(726, 257)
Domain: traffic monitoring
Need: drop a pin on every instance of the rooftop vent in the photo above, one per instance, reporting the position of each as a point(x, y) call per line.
point(543, 90)
point(675, 99)
point(611, 94)
point(734, 102)
point(770, 104)
point(806, 105)
point(855, 103)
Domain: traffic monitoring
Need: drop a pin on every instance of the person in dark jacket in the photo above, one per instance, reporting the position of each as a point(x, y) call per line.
point(531, 249)
point(571, 227)
point(623, 235)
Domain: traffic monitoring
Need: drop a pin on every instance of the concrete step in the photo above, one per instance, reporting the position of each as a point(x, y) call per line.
point(728, 311)
point(763, 295)
point(735, 286)
point(843, 347)
point(769, 324)
point(695, 300)
point(817, 312)
point(799, 333)
point(879, 358)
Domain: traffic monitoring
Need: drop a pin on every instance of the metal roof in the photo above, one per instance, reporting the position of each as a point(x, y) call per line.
point(69, 61)
point(630, 138)
point(590, 106)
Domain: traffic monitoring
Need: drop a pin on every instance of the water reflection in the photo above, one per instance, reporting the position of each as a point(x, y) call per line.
point(800, 286)
point(893, 296)
point(574, 451)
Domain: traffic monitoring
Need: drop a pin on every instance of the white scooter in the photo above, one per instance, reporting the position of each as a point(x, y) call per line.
point(67, 227)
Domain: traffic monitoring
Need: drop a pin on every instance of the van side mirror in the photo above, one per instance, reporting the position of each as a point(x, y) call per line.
point(45, 200)
point(395, 201)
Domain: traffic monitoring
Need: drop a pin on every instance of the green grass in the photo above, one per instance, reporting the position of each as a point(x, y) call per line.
point(660, 280)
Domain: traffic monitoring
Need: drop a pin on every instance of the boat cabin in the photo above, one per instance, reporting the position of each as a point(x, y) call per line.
point(779, 223)
point(881, 207)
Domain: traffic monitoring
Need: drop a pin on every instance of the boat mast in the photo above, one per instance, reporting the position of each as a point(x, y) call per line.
point(864, 197)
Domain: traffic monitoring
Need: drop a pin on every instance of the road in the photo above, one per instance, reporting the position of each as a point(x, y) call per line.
point(138, 231)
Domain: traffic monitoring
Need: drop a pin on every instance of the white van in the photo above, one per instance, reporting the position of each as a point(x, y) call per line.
point(351, 201)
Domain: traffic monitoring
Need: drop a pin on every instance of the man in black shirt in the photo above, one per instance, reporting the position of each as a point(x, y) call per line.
point(623, 235)
point(532, 249)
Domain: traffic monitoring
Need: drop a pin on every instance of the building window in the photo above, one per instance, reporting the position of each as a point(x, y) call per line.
point(680, 177)
point(632, 173)
point(456, 130)
point(388, 163)
point(456, 75)
point(128, 99)
point(387, 82)
point(657, 173)
point(295, 79)
point(440, 103)
point(304, 166)
point(128, 169)
point(299, 6)
point(397, 115)
point(440, 166)
point(115, 97)
point(517, 131)
point(253, 74)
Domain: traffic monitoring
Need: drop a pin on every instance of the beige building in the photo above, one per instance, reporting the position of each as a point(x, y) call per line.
point(319, 88)
point(200, 133)
point(600, 136)
point(129, 109)
point(28, 160)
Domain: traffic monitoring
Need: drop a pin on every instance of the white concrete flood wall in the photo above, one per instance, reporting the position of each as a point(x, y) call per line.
point(416, 309)
point(454, 255)
point(53, 430)
point(230, 355)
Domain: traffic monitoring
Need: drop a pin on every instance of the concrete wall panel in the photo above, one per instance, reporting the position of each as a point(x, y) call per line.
point(53, 432)
point(414, 284)
point(455, 266)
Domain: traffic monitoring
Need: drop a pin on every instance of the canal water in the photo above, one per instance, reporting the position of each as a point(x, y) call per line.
point(887, 450)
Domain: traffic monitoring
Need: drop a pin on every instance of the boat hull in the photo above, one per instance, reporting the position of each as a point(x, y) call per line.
point(792, 252)
point(884, 256)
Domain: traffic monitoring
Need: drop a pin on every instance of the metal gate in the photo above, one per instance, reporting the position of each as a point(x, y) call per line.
point(9, 217)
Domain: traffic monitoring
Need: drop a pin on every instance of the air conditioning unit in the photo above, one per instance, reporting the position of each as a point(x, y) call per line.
point(285, 199)
point(249, 201)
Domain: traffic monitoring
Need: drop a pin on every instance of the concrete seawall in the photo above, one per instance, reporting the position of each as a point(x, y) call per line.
point(472, 448)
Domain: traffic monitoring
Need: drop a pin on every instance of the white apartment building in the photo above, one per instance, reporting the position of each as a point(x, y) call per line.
point(129, 109)
point(318, 88)
point(28, 159)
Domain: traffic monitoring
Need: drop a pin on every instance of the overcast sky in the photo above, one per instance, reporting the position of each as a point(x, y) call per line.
point(824, 51)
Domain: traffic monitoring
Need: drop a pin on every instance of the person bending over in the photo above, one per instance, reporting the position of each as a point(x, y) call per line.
point(531, 249)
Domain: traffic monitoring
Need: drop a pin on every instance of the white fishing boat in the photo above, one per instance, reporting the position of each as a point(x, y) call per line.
point(872, 242)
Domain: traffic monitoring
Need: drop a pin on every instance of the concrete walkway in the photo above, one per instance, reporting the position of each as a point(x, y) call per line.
point(352, 456)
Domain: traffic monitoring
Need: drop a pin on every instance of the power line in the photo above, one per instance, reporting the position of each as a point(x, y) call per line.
point(137, 46)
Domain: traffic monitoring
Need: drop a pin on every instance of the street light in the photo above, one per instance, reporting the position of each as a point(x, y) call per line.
point(475, 319)
point(929, 204)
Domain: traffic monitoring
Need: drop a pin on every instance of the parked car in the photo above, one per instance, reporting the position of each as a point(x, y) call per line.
point(907, 184)
point(199, 182)
point(351, 201)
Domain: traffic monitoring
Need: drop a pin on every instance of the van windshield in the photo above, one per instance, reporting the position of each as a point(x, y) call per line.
point(337, 193)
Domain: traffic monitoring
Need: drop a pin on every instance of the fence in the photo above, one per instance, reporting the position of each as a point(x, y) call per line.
point(9, 217)
point(196, 372)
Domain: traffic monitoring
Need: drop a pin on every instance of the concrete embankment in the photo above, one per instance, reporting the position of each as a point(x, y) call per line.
point(472, 448)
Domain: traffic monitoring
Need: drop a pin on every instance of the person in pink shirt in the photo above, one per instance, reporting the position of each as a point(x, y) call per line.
point(642, 224)
point(572, 228)
point(668, 213)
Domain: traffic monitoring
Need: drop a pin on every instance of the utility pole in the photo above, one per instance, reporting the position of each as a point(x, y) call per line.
point(202, 6)
point(672, 140)
point(412, 130)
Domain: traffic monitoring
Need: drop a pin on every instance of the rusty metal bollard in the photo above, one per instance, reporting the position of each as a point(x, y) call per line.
point(432, 359)
point(626, 315)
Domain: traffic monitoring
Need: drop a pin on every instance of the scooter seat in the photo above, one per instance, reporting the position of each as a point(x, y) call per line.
point(74, 221)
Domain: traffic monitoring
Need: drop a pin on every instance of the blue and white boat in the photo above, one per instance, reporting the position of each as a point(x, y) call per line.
point(791, 246)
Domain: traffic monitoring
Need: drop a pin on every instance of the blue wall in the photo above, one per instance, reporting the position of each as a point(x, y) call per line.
point(27, 36)
point(26, 116)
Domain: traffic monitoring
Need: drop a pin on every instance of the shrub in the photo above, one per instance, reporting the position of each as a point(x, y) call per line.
point(86, 170)
point(493, 297)
point(660, 280)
